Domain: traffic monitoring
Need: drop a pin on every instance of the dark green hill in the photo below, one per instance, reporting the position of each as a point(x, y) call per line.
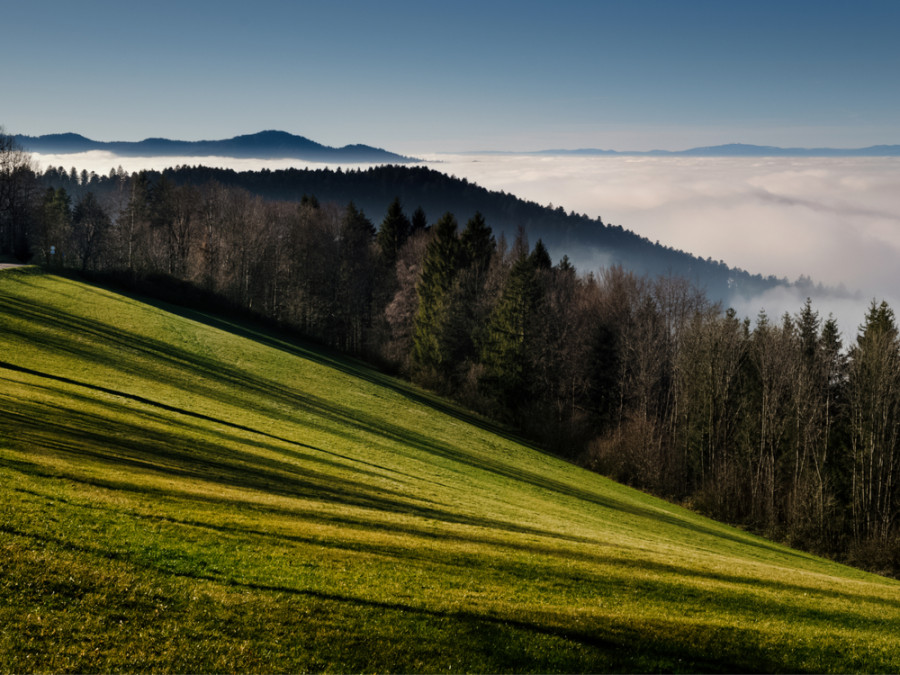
point(588, 242)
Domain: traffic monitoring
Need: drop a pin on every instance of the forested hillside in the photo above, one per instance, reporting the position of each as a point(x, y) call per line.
point(776, 425)
point(585, 239)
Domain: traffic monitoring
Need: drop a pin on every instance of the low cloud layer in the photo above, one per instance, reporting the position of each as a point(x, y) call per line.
point(836, 220)
point(101, 161)
point(782, 216)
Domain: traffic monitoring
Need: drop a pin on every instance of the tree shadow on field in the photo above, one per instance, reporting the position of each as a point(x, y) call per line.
point(509, 640)
point(201, 375)
point(605, 573)
point(116, 434)
point(618, 644)
point(205, 429)
point(295, 346)
point(267, 333)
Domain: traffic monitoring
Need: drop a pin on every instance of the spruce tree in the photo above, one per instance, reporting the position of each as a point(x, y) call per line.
point(395, 229)
point(430, 354)
point(419, 221)
point(355, 280)
point(510, 332)
point(468, 308)
point(540, 258)
point(477, 244)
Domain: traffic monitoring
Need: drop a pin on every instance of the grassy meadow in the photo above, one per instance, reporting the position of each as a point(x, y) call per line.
point(183, 492)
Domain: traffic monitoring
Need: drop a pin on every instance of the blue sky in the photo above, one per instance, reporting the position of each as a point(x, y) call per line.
point(437, 76)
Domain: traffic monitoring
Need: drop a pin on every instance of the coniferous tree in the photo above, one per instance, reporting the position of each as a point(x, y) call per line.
point(825, 511)
point(468, 306)
point(477, 245)
point(506, 353)
point(540, 258)
point(419, 222)
point(356, 279)
point(431, 356)
point(810, 391)
point(400, 312)
point(310, 201)
point(394, 231)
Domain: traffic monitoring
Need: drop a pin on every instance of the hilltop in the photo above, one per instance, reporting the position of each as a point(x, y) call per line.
point(187, 492)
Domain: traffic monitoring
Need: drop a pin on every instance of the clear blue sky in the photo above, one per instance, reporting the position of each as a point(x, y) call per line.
point(433, 75)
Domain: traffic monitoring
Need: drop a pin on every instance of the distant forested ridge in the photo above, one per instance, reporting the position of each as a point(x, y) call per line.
point(262, 145)
point(588, 242)
point(776, 425)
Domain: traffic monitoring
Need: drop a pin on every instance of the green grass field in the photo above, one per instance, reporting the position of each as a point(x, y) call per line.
point(181, 492)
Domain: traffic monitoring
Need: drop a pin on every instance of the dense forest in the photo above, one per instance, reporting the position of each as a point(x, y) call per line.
point(582, 238)
point(774, 424)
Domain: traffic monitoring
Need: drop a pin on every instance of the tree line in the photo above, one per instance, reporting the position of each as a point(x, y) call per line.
point(370, 189)
point(773, 424)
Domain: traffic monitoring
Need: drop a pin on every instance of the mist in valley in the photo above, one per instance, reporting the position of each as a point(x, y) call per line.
point(835, 221)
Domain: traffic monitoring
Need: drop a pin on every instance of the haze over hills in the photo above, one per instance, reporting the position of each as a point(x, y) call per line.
point(736, 150)
point(273, 144)
point(589, 243)
point(579, 240)
point(263, 145)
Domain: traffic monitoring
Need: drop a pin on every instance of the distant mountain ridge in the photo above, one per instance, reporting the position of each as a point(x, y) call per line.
point(736, 150)
point(274, 144)
point(263, 145)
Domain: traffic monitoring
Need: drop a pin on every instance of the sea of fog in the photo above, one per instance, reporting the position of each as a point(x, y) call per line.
point(836, 220)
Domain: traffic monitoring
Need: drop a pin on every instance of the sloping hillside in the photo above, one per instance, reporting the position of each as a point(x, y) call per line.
point(182, 492)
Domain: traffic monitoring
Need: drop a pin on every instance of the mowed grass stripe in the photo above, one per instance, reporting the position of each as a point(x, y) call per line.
point(188, 492)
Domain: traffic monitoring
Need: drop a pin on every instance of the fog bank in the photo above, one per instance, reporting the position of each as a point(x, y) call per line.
point(100, 162)
point(836, 220)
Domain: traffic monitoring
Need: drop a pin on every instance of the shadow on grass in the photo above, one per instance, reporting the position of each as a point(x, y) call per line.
point(640, 647)
point(225, 384)
point(603, 575)
point(738, 593)
point(619, 644)
point(183, 450)
point(291, 344)
point(742, 594)
point(206, 418)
